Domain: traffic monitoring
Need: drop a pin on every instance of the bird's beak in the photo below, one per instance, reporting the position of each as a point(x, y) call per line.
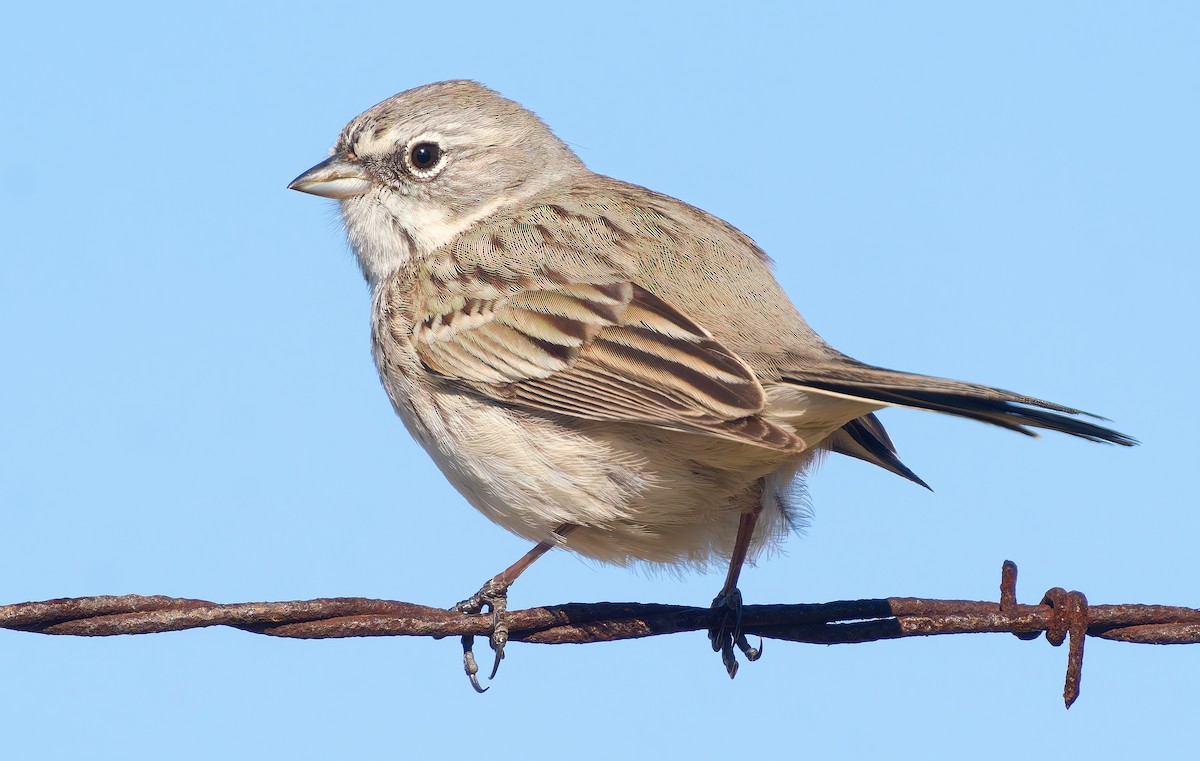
point(335, 177)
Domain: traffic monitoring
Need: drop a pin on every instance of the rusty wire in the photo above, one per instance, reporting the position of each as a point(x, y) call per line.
point(1061, 615)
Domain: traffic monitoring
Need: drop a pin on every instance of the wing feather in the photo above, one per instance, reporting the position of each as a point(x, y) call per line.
point(587, 344)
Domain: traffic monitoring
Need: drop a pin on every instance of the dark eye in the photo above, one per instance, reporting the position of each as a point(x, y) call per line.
point(424, 156)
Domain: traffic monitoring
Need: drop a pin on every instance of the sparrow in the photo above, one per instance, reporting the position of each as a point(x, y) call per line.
point(596, 366)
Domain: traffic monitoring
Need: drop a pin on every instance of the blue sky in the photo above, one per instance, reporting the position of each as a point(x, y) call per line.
point(1005, 195)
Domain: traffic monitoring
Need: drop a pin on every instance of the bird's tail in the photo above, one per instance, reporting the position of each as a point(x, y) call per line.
point(1017, 412)
point(866, 439)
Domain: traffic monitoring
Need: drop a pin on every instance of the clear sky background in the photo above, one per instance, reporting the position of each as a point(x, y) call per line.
point(1006, 195)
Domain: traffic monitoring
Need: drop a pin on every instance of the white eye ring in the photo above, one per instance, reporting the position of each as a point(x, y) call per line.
point(424, 158)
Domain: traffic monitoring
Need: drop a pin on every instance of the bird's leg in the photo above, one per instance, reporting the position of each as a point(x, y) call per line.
point(727, 632)
point(493, 595)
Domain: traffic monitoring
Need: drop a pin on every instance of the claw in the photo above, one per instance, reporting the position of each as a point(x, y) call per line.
point(723, 636)
point(729, 659)
point(729, 602)
point(469, 664)
point(494, 597)
point(499, 638)
point(752, 653)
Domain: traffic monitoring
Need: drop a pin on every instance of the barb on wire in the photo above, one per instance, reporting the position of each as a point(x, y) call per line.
point(1061, 615)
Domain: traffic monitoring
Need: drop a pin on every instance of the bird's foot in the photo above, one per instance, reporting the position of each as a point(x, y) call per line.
point(494, 597)
point(726, 632)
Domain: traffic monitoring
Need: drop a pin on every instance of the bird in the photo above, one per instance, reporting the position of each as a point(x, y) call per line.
point(599, 367)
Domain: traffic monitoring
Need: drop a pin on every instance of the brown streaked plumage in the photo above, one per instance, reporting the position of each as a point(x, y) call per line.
point(581, 355)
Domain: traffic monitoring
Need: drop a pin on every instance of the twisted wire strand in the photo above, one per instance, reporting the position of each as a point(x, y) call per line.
point(1061, 615)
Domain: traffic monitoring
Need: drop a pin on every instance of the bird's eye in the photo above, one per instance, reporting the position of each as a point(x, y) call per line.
point(424, 156)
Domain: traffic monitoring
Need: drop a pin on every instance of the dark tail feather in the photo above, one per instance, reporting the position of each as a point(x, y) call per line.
point(989, 405)
point(866, 439)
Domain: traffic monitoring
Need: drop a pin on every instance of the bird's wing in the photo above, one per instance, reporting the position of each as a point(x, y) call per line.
point(550, 319)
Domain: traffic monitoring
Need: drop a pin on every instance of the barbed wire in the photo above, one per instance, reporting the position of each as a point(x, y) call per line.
point(1061, 615)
